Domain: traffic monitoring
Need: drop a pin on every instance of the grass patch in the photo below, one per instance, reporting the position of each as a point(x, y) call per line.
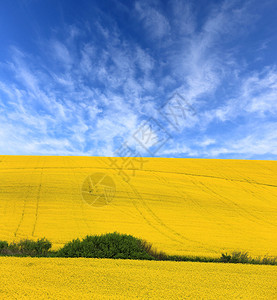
point(118, 246)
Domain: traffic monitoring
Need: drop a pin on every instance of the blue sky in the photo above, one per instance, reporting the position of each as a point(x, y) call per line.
point(155, 78)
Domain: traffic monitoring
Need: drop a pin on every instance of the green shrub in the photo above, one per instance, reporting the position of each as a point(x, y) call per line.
point(240, 257)
point(244, 258)
point(3, 245)
point(158, 255)
point(117, 246)
point(110, 245)
point(26, 248)
point(39, 247)
point(225, 258)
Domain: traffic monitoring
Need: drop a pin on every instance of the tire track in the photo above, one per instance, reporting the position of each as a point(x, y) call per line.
point(163, 225)
point(202, 211)
point(156, 171)
point(38, 194)
point(208, 176)
point(37, 206)
point(7, 202)
point(253, 194)
point(117, 207)
point(141, 213)
point(29, 191)
point(23, 211)
point(150, 223)
point(220, 198)
point(177, 237)
point(80, 191)
point(66, 162)
point(253, 182)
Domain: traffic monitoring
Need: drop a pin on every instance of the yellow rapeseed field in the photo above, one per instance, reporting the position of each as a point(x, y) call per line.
point(83, 278)
point(182, 206)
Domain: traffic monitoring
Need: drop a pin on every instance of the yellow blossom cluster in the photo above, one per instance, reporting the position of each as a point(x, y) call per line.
point(181, 206)
point(85, 278)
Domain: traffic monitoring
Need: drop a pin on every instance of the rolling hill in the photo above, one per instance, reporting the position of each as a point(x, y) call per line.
point(182, 206)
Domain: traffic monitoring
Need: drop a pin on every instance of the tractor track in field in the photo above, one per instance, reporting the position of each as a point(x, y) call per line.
point(37, 204)
point(228, 201)
point(176, 235)
point(209, 176)
point(202, 211)
point(29, 189)
point(23, 211)
point(139, 210)
point(122, 197)
point(71, 196)
point(253, 194)
point(155, 171)
point(206, 214)
point(151, 223)
point(80, 191)
point(37, 208)
point(253, 182)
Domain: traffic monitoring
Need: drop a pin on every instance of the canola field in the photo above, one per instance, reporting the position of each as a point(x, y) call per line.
point(83, 278)
point(182, 206)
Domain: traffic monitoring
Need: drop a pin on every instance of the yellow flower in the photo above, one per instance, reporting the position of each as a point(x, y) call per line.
point(85, 278)
point(181, 206)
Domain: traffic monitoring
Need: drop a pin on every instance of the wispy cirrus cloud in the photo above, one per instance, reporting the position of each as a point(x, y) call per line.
point(153, 20)
point(91, 82)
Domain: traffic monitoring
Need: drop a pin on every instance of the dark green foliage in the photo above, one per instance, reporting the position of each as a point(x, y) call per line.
point(111, 245)
point(39, 247)
point(236, 257)
point(240, 257)
point(225, 258)
point(3, 245)
point(158, 255)
point(244, 258)
point(118, 246)
point(26, 248)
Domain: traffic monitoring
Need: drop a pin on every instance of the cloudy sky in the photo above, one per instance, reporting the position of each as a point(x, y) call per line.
point(155, 78)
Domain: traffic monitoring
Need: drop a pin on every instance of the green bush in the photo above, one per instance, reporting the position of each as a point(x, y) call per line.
point(39, 247)
point(3, 245)
point(225, 258)
point(244, 258)
point(117, 246)
point(240, 257)
point(111, 245)
point(26, 248)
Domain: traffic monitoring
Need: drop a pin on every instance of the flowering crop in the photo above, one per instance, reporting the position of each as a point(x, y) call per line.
point(87, 278)
point(181, 206)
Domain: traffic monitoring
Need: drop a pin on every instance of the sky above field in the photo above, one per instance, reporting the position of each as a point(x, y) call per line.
point(139, 78)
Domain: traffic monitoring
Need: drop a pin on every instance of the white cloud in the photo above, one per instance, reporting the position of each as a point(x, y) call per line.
point(261, 141)
point(207, 142)
point(77, 97)
point(155, 23)
point(178, 149)
point(61, 53)
point(257, 95)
